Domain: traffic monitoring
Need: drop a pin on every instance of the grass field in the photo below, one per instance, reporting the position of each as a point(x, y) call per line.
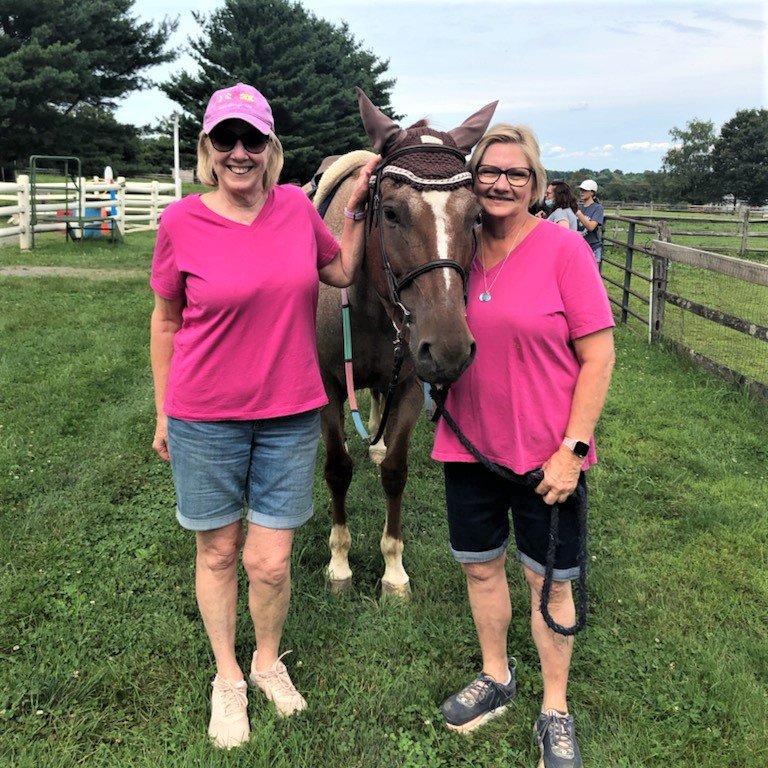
point(103, 660)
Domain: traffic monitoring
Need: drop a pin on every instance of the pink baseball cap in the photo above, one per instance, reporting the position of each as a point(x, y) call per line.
point(239, 102)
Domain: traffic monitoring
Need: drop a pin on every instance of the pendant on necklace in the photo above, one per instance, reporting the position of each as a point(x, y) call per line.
point(485, 296)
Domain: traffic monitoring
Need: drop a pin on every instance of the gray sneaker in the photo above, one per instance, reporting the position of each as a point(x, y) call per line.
point(555, 734)
point(482, 700)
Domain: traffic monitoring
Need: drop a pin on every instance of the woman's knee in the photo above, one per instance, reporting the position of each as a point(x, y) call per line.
point(267, 568)
point(559, 592)
point(219, 550)
point(482, 573)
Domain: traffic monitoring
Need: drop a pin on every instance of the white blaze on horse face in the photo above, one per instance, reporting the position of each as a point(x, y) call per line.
point(438, 201)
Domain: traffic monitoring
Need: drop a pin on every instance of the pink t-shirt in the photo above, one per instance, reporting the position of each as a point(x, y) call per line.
point(246, 348)
point(514, 401)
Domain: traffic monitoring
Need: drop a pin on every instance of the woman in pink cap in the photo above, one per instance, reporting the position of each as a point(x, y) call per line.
point(237, 384)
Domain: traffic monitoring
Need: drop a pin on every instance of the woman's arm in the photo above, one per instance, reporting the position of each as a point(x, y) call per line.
point(166, 321)
point(342, 271)
point(596, 357)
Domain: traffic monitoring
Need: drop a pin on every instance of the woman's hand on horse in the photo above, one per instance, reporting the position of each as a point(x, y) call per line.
point(160, 441)
point(561, 475)
point(359, 197)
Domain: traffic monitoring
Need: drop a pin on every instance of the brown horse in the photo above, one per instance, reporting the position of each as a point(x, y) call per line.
point(418, 252)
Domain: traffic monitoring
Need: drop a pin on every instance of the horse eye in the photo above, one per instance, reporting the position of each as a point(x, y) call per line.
point(390, 215)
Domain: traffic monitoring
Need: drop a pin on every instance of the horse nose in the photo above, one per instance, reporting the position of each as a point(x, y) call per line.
point(444, 363)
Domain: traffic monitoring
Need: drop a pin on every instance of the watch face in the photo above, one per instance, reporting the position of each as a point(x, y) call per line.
point(581, 449)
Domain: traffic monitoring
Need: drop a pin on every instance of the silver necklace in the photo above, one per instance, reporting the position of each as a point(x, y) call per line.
point(486, 294)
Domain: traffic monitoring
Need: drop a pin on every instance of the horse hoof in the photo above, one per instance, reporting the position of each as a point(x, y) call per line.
point(377, 455)
point(399, 591)
point(339, 586)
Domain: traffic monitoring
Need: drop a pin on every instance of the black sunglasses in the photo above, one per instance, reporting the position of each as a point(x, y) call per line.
point(224, 140)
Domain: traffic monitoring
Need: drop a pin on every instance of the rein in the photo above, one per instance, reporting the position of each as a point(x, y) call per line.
point(531, 480)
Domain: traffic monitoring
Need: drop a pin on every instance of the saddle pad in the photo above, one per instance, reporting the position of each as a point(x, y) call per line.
point(338, 170)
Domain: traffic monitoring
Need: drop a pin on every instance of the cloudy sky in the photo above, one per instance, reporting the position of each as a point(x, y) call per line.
point(601, 83)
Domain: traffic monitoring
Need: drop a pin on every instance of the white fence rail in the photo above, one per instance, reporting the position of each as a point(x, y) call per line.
point(130, 206)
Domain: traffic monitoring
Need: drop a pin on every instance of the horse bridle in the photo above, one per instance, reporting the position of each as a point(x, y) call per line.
point(394, 284)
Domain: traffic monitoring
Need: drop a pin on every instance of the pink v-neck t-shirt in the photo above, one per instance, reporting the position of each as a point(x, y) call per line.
point(246, 348)
point(514, 400)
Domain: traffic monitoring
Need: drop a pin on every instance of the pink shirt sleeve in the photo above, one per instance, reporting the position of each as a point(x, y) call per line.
point(327, 245)
point(166, 280)
point(585, 302)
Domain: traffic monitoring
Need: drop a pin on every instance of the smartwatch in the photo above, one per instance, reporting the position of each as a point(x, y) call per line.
point(581, 449)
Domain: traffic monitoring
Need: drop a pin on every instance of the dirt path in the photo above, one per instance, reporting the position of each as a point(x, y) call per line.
point(90, 274)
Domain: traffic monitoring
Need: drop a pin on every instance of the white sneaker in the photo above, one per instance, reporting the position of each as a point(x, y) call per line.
point(229, 713)
point(278, 688)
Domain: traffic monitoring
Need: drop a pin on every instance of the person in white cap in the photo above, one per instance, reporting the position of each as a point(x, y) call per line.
point(591, 216)
point(237, 382)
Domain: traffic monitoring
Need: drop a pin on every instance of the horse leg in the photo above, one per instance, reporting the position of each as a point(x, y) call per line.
point(338, 476)
point(394, 474)
point(377, 451)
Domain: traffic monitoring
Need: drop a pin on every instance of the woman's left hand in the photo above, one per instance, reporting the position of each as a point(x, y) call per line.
point(359, 197)
point(561, 475)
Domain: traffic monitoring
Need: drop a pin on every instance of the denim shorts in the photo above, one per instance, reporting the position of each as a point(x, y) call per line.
point(265, 466)
point(479, 502)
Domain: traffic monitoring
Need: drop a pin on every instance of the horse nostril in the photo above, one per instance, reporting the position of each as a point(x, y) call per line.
point(425, 353)
point(472, 350)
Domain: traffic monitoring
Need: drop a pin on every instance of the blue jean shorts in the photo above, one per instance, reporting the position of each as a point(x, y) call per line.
point(265, 466)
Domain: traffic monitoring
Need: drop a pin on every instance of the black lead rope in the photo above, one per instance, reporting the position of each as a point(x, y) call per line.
point(531, 480)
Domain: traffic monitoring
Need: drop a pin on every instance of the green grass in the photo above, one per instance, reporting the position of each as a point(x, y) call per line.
point(103, 659)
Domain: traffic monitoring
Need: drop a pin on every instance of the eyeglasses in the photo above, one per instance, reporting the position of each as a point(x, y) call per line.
point(224, 140)
point(517, 177)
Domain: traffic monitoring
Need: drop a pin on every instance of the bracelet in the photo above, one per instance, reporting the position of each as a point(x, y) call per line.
point(354, 215)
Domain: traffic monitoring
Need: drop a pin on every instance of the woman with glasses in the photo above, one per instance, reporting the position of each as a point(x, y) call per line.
point(562, 204)
point(532, 398)
point(237, 384)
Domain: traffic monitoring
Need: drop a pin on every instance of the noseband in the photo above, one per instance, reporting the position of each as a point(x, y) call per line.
point(386, 168)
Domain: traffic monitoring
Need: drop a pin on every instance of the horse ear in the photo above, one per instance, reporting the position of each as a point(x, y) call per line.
point(473, 128)
point(378, 126)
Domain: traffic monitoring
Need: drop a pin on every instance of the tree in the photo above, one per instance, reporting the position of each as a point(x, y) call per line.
point(689, 163)
point(740, 157)
point(306, 67)
point(63, 66)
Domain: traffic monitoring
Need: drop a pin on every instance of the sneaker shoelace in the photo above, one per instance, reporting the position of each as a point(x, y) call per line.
point(474, 692)
point(233, 697)
point(280, 677)
point(560, 736)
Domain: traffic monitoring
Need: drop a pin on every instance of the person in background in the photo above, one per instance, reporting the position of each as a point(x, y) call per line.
point(532, 398)
point(237, 382)
point(591, 216)
point(561, 202)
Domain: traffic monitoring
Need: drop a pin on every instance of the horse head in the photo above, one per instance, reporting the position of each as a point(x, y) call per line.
point(421, 240)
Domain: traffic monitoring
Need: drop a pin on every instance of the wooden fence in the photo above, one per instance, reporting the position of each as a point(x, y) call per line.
point(749, 228)
point(644, 295)
point(120, 206)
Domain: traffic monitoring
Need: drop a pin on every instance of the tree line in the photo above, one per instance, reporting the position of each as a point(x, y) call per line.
point(64, 66)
